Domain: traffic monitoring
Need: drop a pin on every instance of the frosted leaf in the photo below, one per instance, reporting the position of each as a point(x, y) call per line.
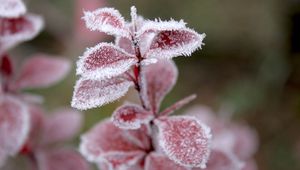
point(123, 160)
point(159, 25)
point(104, 165)
point(93, 93)
point(185, 140)
point(156, 161)
point(57, 130)
point(61, 159)
point(104, 61)
point(246, 141)
point(42, 71)
point(107, 20)
point(179, 104)
point(12, 8)
point(156, 87)
point(173, 43)
point(16, 30)
point(105, 138)
point(14, 125)
point(131, 116)
point(126, 44)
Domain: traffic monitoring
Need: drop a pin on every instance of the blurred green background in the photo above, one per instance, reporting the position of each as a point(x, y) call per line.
point(250, 62)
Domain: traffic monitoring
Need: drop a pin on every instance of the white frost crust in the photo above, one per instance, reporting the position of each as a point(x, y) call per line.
point(158, 25)
point(10, 41)
point(105, 71)
point(144, 118)
point(96, 98)
point(94, 22)
point(12, 8)
point(185, 49)
point(17, 140)
point(163, 145)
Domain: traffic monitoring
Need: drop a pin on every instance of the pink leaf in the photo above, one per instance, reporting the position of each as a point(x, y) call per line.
point(14, 125)
point(93, 93)
point(123, 160)
point(61, 126)
point(107, 20)
point(16, 30)
point(250, 165)
point(179, 104)
point(140, 137)
point(156, 161)
point(131, 116)
point(104, 61)
point(156, 87)
point(42, 71)
point(61, 159)
point(103, 139)
point(12, 8)
point(171, 43)
point(185, 140)
point(222, 161)
point(126, 44)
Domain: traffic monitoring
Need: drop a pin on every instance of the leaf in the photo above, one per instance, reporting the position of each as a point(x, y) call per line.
point(155, 87)
point(14, 125)
point(170, 42)
point(131, 116)
point(107, 20)
point(105, 138)
point(61, 159)
point(94, 93)
point(57, 130)
point(185, 140)
point(12, 8)
point(178, 105)
point(42, 71)
point(125, 43)
point(104, 61)
point(155, 161)
point(16, 30)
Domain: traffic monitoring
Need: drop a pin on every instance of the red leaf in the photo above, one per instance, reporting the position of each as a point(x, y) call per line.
point(57, 130)
point(107, 20)
point(106, 138)
point(185, 140)
point(16, 30)
point(14, 125)
point(93, 93)
point(156, 161)
point(126, 44)
point(61, 159)
point(131, 116)
point(42, 71)
point(104, 61)
point(12, 8)
point(156, 87)
point(173, 43)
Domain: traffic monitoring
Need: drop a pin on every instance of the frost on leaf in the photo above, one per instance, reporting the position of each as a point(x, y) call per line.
point(12, 8)
point(56, 129)
point(104, 61)
point(173, 43)
point(61, 159)
point(42, 71)
point(159, 80)
point(155, 161)
point(16, 30)
point(93, 93)
point(125, 44)
point(184, 140)
point(105, 139)
point(131, 116)
point(14, 125)
point(107, 20)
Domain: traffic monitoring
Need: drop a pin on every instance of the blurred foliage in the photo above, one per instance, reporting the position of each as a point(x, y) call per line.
point(251, 62)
